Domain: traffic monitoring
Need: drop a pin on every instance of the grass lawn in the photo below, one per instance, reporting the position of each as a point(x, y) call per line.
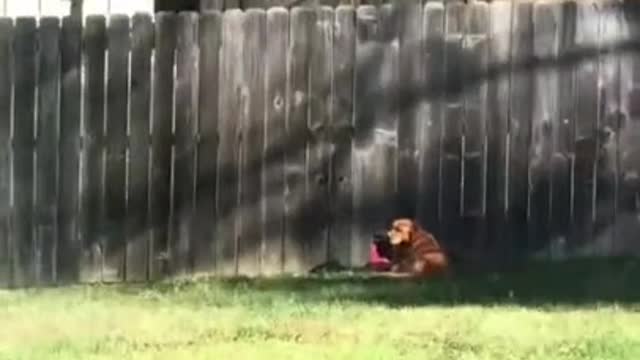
point(582, 310)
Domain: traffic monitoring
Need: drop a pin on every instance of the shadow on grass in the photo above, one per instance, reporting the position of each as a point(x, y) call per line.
point(576, 283)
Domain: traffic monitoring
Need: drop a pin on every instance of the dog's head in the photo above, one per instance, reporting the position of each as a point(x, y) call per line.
point(402, 231)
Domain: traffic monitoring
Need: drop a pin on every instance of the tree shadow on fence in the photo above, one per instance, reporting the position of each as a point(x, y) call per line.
point(401, 98)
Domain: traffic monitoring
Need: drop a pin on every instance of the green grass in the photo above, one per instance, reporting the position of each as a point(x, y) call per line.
point(581, 310)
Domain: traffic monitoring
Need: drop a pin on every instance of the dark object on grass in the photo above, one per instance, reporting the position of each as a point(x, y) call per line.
point(380, 252)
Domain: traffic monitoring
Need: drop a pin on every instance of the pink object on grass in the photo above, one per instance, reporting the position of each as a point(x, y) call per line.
point(377, 262)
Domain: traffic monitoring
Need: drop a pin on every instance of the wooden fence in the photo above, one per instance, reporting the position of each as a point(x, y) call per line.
point(269, 141)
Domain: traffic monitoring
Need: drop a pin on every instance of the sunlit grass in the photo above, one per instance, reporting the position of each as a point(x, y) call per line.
point(340, 317)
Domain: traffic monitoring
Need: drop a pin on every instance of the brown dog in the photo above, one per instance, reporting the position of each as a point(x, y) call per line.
point(415, 250)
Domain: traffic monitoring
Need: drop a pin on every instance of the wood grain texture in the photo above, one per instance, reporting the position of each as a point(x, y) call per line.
point(586, 132)
point(185, 155)
point(118, 45)
point(546, 40)
point(520, 110)
point(250, 212)
point(70, 234)
point(499, 95)
point(341, 180)
point(474, 165)
point(233, 90)
point(302, 21)
point(92, 187)
point(610, 224)
point(6, 84)
point(451, 137)
point(430, 126)
point(161, 141)
point(45, 225)
point(24, 110)
point(275, 136)
point(411, 71)
point(137, 198)
point(203, 244)
point(562, 133)
point(317, 199)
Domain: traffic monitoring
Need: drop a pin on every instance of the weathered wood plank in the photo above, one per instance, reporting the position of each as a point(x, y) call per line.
point(318, 156)
point(474, 161)
point(430, 126)
point(546, 38)
point(92, 187)
point(137, 219)
point(118, 46)
point(161, 138)
point(6, 84)
point(586, 132)
point(609, 222)
point(274, 154)
point(203, 244)
point(451, 138)
point(370, 166)
point(630, 138)
point(24, 59)
point(302, 21)
point(46, 152)
point(185, 156)
point(232, 94)
point(411, 71)
point(499, 94)
point(562, 132)
point(385, 160)
point(70, 241)
point(344, 35)
point(520, 110)
point(253, 107)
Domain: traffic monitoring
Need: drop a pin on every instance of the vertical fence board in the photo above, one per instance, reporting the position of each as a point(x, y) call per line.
point(6, 83)
point(203, 244)
point(430, 125)
point(384, 161)
point(499, 93)
point(296, 234)
point(253, 108)
point(366, 186)
point(137, 225)
point(520, 110)
point(47, 141)
point(410, 72)
point(630, 136)
point(69, 249)
point(232, 93)
point(546, 23)
point(451, 153)
point(474, 180)
point(340, 238)
point(23, 149)
point(609, 122)
point(93, 156)
point(185, 155)
point(317, 203)
point(275, 138)
point(116, 146)
point(562, 128)
point(162, 113)
point(585, 137)
point(586, 118)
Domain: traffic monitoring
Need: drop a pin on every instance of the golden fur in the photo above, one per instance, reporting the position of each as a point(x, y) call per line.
point(415, 250)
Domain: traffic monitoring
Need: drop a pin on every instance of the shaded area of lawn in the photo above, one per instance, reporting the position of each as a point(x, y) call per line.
point(577, 310)
point(584, 282)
